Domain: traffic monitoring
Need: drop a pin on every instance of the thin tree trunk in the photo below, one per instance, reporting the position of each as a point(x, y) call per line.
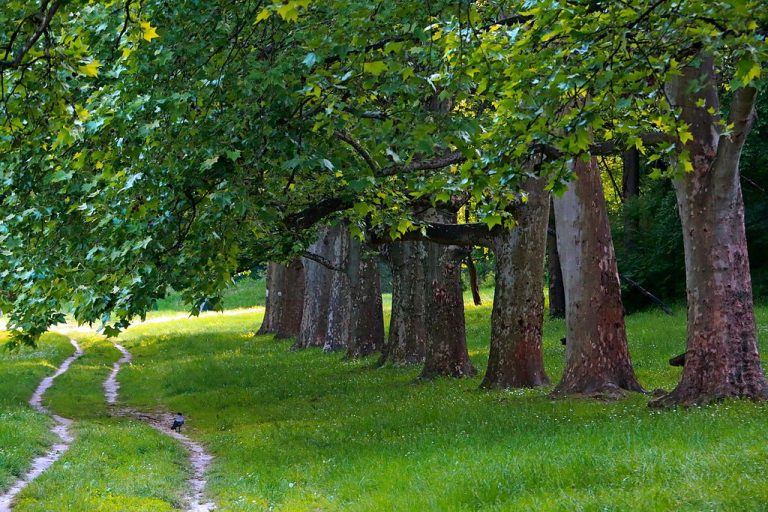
point(476, 299)
point(446, 350)
point(515, 358)
point(597, 358)
point(721, 358)
point(272, 306)
point(630, 185)
point(556, 290)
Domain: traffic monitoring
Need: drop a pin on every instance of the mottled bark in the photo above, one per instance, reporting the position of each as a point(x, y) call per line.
point(292, 303)
point(314, 320)
point(407, 340)
point(367, 319)
point(272, 305)
point(340, 299)
point(597, 358)
point(515, 358)
point(556, 290)
point(285, 297)
point(721, 358)
point(446, 349)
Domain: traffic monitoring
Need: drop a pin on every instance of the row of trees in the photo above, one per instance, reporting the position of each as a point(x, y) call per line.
point(149, 145)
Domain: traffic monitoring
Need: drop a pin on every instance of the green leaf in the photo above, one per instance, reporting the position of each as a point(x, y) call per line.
point(375, 68)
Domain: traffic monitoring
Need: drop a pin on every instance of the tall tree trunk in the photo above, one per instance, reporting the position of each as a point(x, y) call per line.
point(407, 339)
point(446, 350)
point(721, 357)
point(556, 290)
point(515, 358)
point(314, 320)
point(597, 358)
point(340, 301)
point(272, 307)
point(630, 185)
point(367, 327)
point(292, 300)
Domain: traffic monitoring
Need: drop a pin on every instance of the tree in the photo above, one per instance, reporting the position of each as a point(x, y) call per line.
point(721, 358)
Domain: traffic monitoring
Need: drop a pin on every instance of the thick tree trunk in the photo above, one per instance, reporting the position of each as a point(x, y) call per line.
point(556, 290)
point(407, 339)
point(515, 358)
point(272, 306)
point(446, 350)
point(597, 359)
point(721, 358)
point(317, 294)
point(367, 328)
point(292, 303)
point(285, 297)
point(340, 300)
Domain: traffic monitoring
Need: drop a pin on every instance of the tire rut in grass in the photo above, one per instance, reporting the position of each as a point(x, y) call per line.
point(198, 457)
point(61, 429)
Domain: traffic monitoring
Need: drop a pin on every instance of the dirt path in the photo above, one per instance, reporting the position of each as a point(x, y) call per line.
point(199, 459)
point(61, 429)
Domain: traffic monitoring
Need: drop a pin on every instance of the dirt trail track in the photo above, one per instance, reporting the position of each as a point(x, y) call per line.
point(61, 429)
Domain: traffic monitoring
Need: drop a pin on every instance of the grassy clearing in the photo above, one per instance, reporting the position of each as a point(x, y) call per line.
point(24, 433)
point(245, 293)
point(114, 464)
point(310, 431)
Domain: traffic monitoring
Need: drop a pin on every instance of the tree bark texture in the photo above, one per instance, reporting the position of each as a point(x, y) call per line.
point(367, 318)
point(407, 340)
point(317, 295)
point(272, 305)
point(721, 358)
point(515, 358)
point(597, 358)
point(340, 298)
point(446, 348)
point(556, 290)
point(285, 299)
point(630, 185)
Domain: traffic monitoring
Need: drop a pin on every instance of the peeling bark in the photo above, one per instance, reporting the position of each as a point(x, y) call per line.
point(721, 358)
point(446, 349)
point(367, 328)
point(515, 358)
point(340, 298)
point(314, 320)
point(597, 358)
point(407, 339)
point(285, 298)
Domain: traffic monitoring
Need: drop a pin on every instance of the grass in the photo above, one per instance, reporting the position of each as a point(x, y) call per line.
point(24, 433)
point(310, 431)
point(115, 464)
point(245, 293)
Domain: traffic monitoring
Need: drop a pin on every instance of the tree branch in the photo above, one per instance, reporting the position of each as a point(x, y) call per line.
point(41, 28)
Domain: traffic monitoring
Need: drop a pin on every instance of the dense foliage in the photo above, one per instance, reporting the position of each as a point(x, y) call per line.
point(148, 144)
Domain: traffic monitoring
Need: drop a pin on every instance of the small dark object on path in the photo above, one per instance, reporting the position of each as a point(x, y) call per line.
point(563, 341)
point(678, 360)
point(178, 422)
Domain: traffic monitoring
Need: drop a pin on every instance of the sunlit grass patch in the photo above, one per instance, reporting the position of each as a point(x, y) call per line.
point(24, 433)
point(307, 430)
point(114, 463)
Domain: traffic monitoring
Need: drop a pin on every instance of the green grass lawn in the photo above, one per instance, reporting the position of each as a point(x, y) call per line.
point(310, 431)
